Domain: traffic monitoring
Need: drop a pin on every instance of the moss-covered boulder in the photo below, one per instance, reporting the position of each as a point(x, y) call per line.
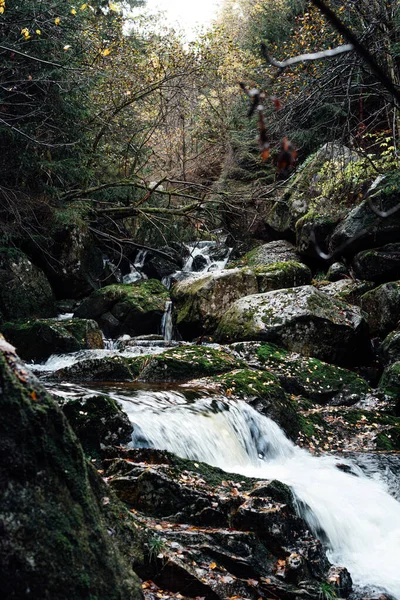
point(273, 252)
point(309, 377)
point(317, 190)
point(383, 307)
point(302, 320)
point(37, 340)
point(389, 350)
point(312, 232)
point(390, 381)
point(201, 302)
point(189, 362)
point(134, 309)
point(379, 264)
point(98, 421)
point(363, 228)
point(24, 289)
point(56, 512)
point(264, 392)
point(107, 368)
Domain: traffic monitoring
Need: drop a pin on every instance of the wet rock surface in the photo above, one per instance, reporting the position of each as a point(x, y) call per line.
point(217, 534)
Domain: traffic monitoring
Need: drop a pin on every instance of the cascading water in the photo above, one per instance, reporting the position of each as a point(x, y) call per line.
point(167, 326)
point(353, 514)
point(136, 273)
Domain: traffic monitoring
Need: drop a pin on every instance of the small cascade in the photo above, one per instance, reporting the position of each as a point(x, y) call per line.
point(166, 322)
point(136, 273)
point(356, 517)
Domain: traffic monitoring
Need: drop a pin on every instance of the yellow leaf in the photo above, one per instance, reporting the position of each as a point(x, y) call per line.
point(57, 20)
point(213, 565)
point(113, 6)
point(1, 10)
point(73, 11)
point(38, 32)
point(105, 52)
point(83, 6)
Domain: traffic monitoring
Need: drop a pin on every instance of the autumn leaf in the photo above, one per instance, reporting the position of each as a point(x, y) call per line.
point(213, 565)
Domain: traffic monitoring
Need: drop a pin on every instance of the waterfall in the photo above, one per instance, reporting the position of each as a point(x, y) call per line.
point(136, 268)
point(166, 322)
point(356, 517)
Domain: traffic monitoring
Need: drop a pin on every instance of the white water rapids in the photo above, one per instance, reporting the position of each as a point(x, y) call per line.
point(353, 514)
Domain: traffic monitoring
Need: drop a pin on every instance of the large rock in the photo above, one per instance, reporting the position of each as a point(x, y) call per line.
point(107, 368)
point(300, 319)
point(24, 289)
point(132, 309)
point(379, 264)
point(59, 535)
point(200, 303)
point(347, 290)
point(389, 350)
point(363, 229)
point(272, 252)
point(182, 364)
point(317, 191)
point(383, 307)
point(98, 421)
point(310, 377)
point(78, 266)
point(245, 538)
point(37, 340)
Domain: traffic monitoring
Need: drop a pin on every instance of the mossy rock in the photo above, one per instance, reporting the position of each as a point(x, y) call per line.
point(309, 377)
point(98, 421)
point(301, 319)
point(389, 350)
point(56, 525)
point(379, 264)
point(136, 309)
point(390, 381)
point(383, 307)
point(272, 252)
point(263, 391)
point(107, 368)
point(189, 362)
point(37, 340)
point(24, 289)
point(312, 232)
point(200, 303)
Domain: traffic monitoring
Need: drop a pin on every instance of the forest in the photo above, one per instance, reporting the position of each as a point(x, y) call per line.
point(200, 301)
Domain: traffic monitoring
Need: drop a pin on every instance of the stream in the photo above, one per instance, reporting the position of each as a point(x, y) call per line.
point(349, 502)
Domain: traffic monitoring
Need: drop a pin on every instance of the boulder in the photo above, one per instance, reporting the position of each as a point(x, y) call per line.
point(389, 350)
point(132, 309)
point(303, 320)
point(316, 193)
point(200, 303)
point(39, 339)
point(189, 362)
point(379, 264)
point(56, 512)
point(309, 377)
point(312, 232)
point(78, 266)
point(337, 271)
point(383, 307)
point(158, 266)
point(390, 382)
point(363, 229)
point(97, 421)
point(107, 368)
point(272, 252)
point(24, 289)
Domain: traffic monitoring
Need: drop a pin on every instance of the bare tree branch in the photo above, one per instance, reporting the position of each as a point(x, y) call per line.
point(305, 57)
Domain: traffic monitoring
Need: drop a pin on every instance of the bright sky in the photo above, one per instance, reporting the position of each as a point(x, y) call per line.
point(188, 14)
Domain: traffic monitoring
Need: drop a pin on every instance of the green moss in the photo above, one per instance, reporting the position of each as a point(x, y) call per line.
point(309, 377)
point(245, 382)
point(390, 380)
point(179, 364)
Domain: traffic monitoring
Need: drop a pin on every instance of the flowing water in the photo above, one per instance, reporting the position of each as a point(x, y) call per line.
point(352, 512)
